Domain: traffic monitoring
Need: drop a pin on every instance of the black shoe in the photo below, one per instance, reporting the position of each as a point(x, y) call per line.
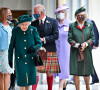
point(70, 82)
point(93, 83)
point(12, 88)
point(64, 88)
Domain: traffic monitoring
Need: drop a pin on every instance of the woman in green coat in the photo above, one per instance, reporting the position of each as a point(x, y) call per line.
point(81, 37)
point(25, 39)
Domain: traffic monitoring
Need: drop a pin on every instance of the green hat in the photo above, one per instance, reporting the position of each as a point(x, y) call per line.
point(82, 9)
point(24, 18)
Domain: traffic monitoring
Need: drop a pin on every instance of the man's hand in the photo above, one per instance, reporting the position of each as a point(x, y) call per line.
point(42, 39)
point(95, 47)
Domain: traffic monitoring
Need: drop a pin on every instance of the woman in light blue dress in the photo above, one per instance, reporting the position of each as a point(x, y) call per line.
point(5, 35)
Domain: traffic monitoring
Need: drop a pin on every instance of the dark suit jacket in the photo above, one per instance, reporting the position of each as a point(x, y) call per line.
point(49, 31)
point(96, 33)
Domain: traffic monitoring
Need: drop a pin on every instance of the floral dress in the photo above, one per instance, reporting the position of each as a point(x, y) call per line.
point(4, 66)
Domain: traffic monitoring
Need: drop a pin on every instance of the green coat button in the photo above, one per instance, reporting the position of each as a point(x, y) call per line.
point(24, 33)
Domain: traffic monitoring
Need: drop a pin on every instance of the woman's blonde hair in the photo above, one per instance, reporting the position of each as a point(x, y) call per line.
point(3, 14)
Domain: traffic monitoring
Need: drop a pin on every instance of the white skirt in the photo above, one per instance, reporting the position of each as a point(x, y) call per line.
point(4, 65)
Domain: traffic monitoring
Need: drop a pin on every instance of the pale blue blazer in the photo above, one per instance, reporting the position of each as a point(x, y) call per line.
point(4, 37)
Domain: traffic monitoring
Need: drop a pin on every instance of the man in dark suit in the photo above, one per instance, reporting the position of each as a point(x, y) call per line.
point(48, 31)
point(95, 78)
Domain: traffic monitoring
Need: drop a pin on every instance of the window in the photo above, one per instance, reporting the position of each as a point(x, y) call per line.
point(74, 5)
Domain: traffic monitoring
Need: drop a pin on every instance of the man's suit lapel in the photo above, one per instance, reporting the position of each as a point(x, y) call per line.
point(46, 24)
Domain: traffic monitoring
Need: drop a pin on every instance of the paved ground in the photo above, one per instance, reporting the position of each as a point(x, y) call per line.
point(69, 87)
point(96, 62)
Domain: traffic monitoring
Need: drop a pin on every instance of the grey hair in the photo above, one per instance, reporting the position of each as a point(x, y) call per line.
point(41, 8)
point(65, 10)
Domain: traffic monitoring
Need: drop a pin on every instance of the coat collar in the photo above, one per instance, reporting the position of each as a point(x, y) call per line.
point(76, 23)
point(43, 20)
point(47, 20)
point(85, 24)
point(1, 25)
point(28, 30)
point(66, 23)
point(10, 23)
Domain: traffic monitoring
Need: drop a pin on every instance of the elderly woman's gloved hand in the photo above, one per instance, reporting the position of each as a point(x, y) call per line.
point(83, 46)
point(31, 50)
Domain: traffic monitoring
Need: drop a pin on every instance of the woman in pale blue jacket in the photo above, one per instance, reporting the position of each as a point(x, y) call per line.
point(5, 35)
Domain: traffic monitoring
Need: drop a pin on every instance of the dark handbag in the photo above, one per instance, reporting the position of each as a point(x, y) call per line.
point(81, 56)
point(37, 58)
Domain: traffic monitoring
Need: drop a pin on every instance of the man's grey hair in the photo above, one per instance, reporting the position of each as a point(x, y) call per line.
point(41, 8)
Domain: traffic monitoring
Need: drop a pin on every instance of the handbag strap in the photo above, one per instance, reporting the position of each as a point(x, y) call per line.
point(37, 51)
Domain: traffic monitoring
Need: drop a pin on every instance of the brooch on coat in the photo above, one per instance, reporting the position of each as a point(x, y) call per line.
point(47, 21)
point(88, 25)
point(31, 30)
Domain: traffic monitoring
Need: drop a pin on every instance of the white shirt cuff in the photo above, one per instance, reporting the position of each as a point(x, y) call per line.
point(77, 45)
point(42, 48)
point(44, 41)
point(86, 44)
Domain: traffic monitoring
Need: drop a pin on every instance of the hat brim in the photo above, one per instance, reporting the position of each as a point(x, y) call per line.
point(61, 8)
point(25, 20)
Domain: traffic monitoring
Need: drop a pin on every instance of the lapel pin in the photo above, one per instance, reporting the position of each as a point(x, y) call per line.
point(47, 21)
point(31, 30)
point(88, 25)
